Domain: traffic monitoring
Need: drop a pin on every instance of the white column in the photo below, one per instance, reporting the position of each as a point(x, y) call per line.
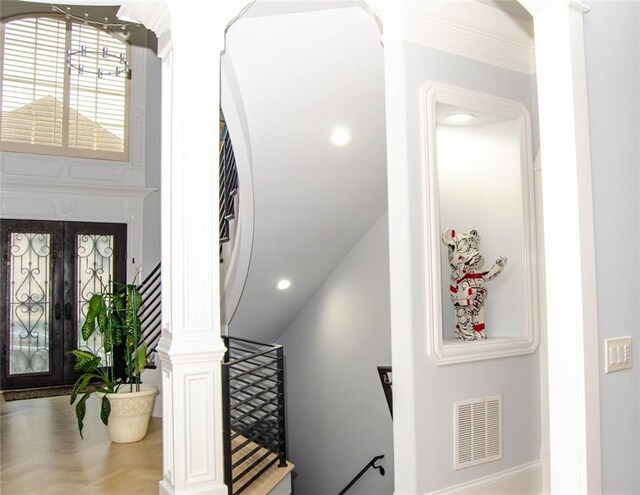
point(574, 406)
point(403, 184)
point(190, 349)
point(191, 37)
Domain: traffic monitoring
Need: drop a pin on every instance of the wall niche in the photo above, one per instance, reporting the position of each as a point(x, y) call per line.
point(479, 176)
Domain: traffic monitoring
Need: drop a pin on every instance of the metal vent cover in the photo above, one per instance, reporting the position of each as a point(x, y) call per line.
point(477, 431)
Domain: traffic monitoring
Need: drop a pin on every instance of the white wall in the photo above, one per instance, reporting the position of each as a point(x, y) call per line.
point(75, 189)
point(424, 408)
point(338, 419)
point(151, 226)
point(479, 187)
point(612, 48)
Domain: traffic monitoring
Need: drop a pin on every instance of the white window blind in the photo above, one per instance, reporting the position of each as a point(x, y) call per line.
point(47, 108)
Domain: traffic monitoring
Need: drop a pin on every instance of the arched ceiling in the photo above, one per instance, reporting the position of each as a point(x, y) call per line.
point(300, 75)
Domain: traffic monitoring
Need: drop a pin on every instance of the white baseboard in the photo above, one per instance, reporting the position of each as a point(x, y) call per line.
point(521, 480)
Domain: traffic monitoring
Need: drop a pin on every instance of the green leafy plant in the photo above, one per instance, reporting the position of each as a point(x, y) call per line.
point(114, 314)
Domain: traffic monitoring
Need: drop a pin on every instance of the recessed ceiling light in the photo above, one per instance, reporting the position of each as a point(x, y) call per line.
point(340, 136)
point(283, 284)
point(459, 118)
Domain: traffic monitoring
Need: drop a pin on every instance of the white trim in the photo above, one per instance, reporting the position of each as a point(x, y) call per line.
point(523, 480)
point(441, 351)
point(466, 28)
point(542, 324)
point(43, 186)
point(237, 266)
point(405, 191)
point(571, 302)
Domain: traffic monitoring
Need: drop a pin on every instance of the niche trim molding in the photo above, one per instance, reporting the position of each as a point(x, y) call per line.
point(444, 351)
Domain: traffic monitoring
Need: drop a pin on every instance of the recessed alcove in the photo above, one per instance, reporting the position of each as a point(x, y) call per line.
point(479, 176)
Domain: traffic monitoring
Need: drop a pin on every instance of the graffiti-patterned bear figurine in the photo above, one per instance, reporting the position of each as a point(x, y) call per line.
point(468, 290)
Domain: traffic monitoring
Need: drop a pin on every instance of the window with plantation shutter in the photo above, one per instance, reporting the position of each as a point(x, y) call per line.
point(50, 108)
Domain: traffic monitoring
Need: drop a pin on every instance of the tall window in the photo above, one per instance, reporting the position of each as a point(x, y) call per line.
point(50, 108)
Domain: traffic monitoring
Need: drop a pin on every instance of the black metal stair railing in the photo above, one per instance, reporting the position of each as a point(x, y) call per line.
point(151, 310)
point(228, 182)
point(253, 411)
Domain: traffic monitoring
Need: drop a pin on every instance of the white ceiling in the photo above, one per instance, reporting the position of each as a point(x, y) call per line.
point(511, 7)
point(300, 75)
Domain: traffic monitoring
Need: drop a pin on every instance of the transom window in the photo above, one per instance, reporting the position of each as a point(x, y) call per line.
point(50, 108)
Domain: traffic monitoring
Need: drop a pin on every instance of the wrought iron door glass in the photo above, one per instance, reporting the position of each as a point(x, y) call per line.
point(49, 272)
point(95, 272)
point(29, 303)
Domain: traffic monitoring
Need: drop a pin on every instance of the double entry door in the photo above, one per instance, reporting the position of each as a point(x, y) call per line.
point(49, 272)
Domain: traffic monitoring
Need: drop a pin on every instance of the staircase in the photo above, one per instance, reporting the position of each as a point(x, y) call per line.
point(255, 455)
point(253, 375)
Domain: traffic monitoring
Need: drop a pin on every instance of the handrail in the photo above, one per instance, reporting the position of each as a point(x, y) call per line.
point(371, 464)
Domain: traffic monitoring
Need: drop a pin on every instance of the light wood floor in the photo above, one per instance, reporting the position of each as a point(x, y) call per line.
point(41, 452)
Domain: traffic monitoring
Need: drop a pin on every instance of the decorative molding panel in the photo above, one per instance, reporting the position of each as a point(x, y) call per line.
point(168, 421)
point(99, 209)
point(32, 167)
point(81, 171)
point(199, 422)
point(18, 205)
point(465, 27)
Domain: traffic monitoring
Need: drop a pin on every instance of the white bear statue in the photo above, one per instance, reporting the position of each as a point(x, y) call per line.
point(468, 289)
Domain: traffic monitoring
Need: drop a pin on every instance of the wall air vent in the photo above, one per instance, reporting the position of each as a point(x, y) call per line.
point(477, 431)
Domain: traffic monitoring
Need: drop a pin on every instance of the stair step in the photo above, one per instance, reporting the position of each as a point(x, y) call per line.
point(269, 480)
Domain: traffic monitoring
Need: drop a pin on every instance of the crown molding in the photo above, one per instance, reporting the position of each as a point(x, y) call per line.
point(154, 16)
point(463, 27)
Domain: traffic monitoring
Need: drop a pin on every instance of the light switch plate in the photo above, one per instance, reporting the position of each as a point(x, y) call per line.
point(618, 354)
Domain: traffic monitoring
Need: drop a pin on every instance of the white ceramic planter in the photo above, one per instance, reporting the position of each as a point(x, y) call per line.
point(130, 413)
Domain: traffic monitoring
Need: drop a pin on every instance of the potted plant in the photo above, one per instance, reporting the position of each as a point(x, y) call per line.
point(125, 404)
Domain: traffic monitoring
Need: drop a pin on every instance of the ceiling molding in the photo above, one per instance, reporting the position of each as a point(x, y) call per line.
point(466, 27)
point(155, 16)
